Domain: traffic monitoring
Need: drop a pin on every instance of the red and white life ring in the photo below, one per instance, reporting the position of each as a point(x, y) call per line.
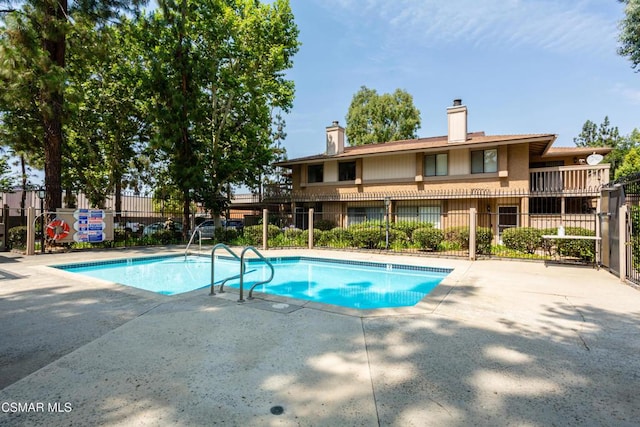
point(57, 229)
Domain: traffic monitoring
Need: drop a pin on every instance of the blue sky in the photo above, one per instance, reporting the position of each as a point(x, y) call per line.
point(520, 66)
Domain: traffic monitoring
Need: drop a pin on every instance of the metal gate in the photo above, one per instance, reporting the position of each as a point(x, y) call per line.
point(624, 192)
point(616, 200)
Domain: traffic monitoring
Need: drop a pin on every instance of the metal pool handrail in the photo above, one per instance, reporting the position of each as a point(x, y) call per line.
point(254, 250)
point(197, 230)
point(213, 264)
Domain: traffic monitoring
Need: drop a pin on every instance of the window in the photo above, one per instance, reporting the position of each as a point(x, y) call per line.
point(544, 205)
point(484, 161)
point(314, 173)
point(436, 165)
point(419, 214)
point(346, 171)
point(360, 215)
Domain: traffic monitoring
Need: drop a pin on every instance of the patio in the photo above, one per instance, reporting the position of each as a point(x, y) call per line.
point(498, 343)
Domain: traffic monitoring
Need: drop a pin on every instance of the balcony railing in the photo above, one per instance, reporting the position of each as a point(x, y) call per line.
point(569, 179)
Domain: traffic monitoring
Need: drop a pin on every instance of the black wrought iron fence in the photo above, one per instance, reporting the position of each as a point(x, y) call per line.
point(624, 192)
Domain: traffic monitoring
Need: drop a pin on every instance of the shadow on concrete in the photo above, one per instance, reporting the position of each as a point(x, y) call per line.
point(40, 326)
point(188, 363)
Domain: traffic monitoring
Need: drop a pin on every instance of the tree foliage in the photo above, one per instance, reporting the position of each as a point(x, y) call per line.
point(604, 135)
point(631, 162)
point(105, 129)
point(33, 61)
point(215, 79)
point(185, 98)
point(593, 135)
point(630, 33)
point(374, 118)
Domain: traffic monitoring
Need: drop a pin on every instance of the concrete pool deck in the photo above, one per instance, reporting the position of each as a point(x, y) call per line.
point(497, 343)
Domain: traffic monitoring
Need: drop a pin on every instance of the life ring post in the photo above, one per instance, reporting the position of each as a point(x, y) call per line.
point(58, 229)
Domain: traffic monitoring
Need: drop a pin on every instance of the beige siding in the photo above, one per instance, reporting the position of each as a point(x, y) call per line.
point(330, 171)
point(519, 165)
point(388, 167)
point(459, 162)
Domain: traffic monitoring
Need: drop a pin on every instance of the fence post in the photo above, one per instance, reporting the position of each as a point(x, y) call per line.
point(473, 220)
point(622, 239)
point(31, 230)
point(265, 228)
point(598, 218)
point(311, 228)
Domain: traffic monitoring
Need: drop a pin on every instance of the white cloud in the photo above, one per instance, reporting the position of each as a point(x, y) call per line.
point(559, 26)
point(632, 94)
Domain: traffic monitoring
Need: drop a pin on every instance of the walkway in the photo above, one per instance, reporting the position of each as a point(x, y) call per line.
point(499, 343)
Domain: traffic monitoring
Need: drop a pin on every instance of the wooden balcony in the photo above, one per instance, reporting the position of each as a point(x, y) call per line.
point(570, 180)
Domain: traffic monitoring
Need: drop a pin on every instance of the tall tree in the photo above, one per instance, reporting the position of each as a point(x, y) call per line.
point(216, 76)
point(374, 118)
point(630, 33)
point(37, 39)
point(604, 135)
point(630, 163)
point(593, 135)
point(106, 132)
point(7, 180)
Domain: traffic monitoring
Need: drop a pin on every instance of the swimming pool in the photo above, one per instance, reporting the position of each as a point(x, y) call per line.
point(353, 284)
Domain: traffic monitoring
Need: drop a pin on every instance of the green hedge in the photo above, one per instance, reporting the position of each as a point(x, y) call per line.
point(458, 236)
point(17, 238)
point(522, 239)
point(337, 237)
point(225, 235)
point(582, 249)
point(428, 237)
point(484, 236)
point(323, 224)
point(253, 233)
point(367, 237)
point(408, 227)
point(375, 237)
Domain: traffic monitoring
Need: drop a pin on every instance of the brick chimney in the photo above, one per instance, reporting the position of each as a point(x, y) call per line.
point(335, 139)
point(457, 120)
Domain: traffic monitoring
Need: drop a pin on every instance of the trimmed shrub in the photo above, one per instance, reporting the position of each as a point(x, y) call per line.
point(17, 238)
point(375, 238)
point(164, 237)
point(522, 239)
point(398, 239)
point(336, 238)
point(323, 224)
point(253, 233)
point(428, 237)
point(368, 237)
point(224, 235)
point(121, 235)
point(293, 233)
point(457, 236)
point(318, 236)
point(484, 236)
point(408, 227)
point(582, 249)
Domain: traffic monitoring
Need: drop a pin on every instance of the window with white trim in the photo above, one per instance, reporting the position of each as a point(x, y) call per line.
point(430, 214)
point(436, 164)
point(484, 161)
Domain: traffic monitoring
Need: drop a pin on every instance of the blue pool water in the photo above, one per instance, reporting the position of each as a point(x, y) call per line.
point(352, 284)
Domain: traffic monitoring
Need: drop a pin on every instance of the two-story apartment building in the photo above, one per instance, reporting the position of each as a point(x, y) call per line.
point(429, 179)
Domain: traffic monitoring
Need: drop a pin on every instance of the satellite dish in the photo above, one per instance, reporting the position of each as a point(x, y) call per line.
point(594, 159)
